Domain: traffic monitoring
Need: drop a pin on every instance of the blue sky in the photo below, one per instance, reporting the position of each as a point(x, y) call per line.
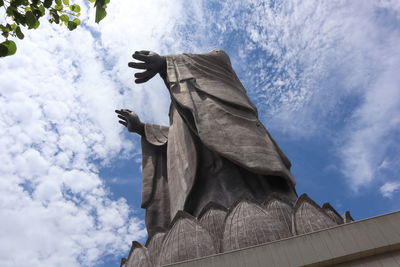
point(324, 76)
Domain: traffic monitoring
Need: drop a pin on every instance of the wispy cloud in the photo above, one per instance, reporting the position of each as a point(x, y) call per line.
point(389, 189)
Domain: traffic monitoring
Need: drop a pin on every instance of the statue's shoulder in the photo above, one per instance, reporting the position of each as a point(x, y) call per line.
point(217, 50)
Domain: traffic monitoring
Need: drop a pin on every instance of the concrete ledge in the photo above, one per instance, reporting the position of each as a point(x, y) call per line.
point(374, 240)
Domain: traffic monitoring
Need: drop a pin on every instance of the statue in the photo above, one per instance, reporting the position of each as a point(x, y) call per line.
point(215, 149)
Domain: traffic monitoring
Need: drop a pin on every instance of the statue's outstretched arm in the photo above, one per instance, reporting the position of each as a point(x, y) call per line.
point(152, 63)
point(152, 133)
point(131, 121)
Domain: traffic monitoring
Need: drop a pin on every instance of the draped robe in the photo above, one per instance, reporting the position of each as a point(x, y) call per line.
point(215, 148)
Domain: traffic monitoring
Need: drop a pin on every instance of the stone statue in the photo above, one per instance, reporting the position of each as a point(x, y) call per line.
point(215, 148)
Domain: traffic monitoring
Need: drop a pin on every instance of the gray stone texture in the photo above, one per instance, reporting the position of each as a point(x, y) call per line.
point(154, 245)
point(370, 242)
point(347, 217)
point(245, 224)
point(309, 217)
point(138, 256)
point(186, 240)
point(212, 219)
point(280, 211)
point(248, 224)
point(215, 148)
point(332, 213)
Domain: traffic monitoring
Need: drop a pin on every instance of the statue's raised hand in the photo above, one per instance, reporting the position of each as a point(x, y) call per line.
point(130, 120)
point(152, 63)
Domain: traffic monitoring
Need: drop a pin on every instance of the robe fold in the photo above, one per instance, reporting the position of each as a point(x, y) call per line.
point(215, 149)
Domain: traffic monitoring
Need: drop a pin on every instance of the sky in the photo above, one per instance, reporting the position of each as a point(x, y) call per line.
point(324, 76)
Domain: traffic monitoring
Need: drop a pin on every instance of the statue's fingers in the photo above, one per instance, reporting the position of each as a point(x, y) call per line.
point(127, 110)
point(123, 123)
point(122, 117)
point(136, 65)
point(143, 80)
point(123, 112)
point(144, 74)
point(141, 57)
point(144, 52)
point(120, 111)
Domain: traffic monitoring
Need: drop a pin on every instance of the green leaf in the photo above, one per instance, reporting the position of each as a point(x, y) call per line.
point(37, 24)
point(58, 2)
point(66, 2)
point(37, 13)
point(75, 8)
point(30, 19)
point(77, 21)
point(5, 33)
point(47, 3)
point(3, 50)
point(92, 1)
point(42, 10)
point(72, 25)
point(1, 3)
point(19, 18)
point(7, 48)
point(19, 33)
point(64, 18)
point(12, 47)
point(56, 17)
point(15, 3)
point(100, 10)
point(10, 11)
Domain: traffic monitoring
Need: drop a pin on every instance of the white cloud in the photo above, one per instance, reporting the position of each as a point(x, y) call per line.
point(389, 189)
point(58, 96)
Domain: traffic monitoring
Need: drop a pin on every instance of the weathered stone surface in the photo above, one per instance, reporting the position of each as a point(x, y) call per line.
point(280, 212)
point(215, 148)
point(247, 224)
point(138, 256)
point(187, 239)
point(154, 247)
point(123, 262)
point(309, 217)
point(371, 242)
point(212, 219)
point(347, 217)
point(332, 213)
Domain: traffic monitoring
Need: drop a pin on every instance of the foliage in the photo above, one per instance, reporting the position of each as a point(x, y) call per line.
point(22, 14)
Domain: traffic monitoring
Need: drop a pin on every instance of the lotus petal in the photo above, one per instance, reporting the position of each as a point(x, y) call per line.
point(138, 256)
point(212, 219)
point(248, 224)
point(154, 247)
point(309, 217)
point(332, 213)
point(186, 240)
point(347, 217)
point(280, 212)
